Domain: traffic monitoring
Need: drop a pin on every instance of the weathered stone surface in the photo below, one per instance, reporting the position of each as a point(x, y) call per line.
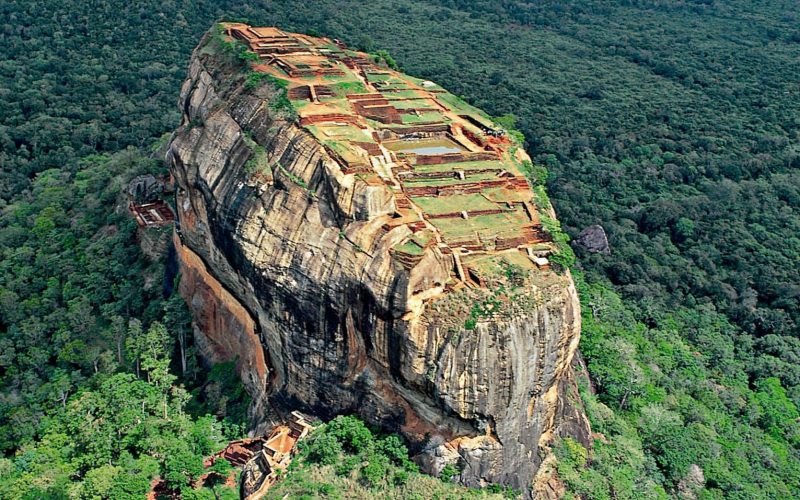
point(295, 279)
point(594, 239)
point(144, 188)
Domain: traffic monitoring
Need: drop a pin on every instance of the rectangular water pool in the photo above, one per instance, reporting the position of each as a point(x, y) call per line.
point(437, 146)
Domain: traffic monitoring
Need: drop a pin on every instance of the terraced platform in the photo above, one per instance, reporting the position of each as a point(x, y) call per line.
point(457, 177)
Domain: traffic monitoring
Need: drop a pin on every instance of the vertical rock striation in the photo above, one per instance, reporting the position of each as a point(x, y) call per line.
point(292, 274)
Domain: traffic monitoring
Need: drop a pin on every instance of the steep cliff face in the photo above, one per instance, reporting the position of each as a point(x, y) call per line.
point(292, 272)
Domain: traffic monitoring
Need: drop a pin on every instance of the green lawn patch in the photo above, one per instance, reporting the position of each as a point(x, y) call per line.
point(449, 204)
point(414, 103)
point(464, 165)
point(450, 181)
point(487, 226)
point(409, 247)
point(425, 117)
point(342, 89)
point(462, 107)
point(403, 94)
point(378, 77)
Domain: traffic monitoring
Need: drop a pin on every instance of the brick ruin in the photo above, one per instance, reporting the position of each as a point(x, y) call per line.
point(265, 465)
point(375, 107)
point(146, 201)
point(426, 145)
point(262, 459)
point(154, 214)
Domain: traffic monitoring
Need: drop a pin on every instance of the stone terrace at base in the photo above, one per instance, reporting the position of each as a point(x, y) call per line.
point(456, 177)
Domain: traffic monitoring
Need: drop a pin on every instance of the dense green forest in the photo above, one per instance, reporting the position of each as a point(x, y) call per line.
point(673, 124)
point(90, 406)
point(345, 459)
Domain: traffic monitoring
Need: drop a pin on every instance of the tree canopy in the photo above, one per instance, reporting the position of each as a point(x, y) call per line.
point(674, 125)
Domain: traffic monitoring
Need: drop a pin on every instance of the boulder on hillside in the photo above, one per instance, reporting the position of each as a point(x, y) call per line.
point(594, 239)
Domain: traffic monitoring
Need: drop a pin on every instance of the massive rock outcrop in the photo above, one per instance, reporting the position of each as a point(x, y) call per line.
point(292, 271)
